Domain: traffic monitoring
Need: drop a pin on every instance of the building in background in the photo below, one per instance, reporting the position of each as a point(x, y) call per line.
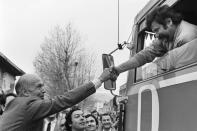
point(8, 73)
point(123, 90)
point(106, 107)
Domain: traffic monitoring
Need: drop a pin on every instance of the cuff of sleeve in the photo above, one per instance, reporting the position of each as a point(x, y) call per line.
point(97, 83)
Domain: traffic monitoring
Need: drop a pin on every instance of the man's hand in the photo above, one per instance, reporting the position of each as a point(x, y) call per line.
point(107, 74)
point(114, 71)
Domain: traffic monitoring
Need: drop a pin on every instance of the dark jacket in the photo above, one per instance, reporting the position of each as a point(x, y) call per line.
point(27, 113)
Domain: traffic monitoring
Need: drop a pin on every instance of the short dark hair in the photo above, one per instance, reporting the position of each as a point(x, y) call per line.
point(95, 111)
point(69, 118)
point(90, 115)
point(159, 15)
point(105, 114)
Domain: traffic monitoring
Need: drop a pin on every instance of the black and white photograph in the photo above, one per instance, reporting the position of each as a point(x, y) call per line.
point(98, 65)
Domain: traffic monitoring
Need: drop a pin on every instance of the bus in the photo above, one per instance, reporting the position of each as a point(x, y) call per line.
point(162, 98)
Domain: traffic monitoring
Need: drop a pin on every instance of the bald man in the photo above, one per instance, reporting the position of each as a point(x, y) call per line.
point(27, 111)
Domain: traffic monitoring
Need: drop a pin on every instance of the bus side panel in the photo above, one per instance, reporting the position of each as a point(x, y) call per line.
point(178, 107)
point(131, 113)
point(146, 111)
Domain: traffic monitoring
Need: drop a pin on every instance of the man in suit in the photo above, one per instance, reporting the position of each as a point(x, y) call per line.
point(50, 123)
point(27, 111)
point(60, 122)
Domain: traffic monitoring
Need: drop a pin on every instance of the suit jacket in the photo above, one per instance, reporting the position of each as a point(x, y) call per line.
point(46, 122)
point(27, 113)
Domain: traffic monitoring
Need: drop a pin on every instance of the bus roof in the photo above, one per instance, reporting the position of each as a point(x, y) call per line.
point(149, 6)
point(144, 10)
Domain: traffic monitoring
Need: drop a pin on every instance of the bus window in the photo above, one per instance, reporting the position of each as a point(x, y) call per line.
point(149, 69)
point(175, 58)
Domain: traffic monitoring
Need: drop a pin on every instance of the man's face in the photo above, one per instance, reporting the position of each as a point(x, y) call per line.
point(36, 88)
point(113, 114)
point(62, 124)
point(78, 120)
point(164, 32)
point(91, 124)
point(95, 114)
point(106, 121)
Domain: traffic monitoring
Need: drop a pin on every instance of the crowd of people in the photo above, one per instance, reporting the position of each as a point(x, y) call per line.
point(76, 120)
point(27, 110)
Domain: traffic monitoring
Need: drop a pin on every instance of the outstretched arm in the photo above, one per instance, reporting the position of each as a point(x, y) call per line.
point(38, 109)
point(144, 56)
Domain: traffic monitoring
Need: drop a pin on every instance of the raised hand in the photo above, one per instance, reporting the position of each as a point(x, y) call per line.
point(107, 74)
point(114, 71)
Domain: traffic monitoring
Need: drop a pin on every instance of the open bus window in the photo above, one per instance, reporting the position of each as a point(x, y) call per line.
point(178, 57)
point(149, 69)
point(175, 58)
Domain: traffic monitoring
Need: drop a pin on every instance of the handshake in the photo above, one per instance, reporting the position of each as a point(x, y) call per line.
point(109, 73)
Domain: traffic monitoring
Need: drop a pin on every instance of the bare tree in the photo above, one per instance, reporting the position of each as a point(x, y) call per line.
point(62, 63)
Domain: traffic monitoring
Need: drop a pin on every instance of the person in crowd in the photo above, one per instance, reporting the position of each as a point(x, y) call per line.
point(50, 123)
point(106, 123)
point(91, 123)
point(5, 99)
point(116, 123)
point(95, 114)
point(113, 115)
point(75, 120)
point(171, 32)
point(60, 123)
point(27, 111)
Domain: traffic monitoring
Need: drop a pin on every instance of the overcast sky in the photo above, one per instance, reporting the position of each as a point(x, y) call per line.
point(25, 23)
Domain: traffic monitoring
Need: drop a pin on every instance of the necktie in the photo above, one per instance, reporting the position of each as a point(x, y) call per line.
point(49, 126)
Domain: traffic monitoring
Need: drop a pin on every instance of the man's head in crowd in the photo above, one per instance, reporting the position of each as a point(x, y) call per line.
point(106, 121)
point(62, 124)
point(75, 120)
point(91, 123)
point(30, 85)
point(95, 113)
point(163, 21)
point(113, 115)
